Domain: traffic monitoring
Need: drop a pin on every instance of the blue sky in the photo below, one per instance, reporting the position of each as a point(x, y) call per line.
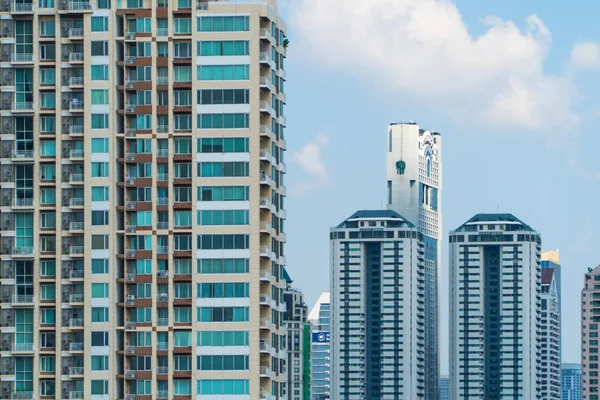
point(512, 87)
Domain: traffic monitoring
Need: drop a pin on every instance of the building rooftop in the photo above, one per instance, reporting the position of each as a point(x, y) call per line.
point(376, 214)
point(552, 256)
point(505, 218)
point(286, 276)
point(313, 316)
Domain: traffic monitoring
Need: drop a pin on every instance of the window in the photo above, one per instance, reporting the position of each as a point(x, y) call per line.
point(223, 193)
point(182, 25)
point(142, 314)
point(48, 364)
point(183, 218)
point(48, 219)
point(223, 217)
point(144, 218)
point(47, 27)
point(99, 314)
point(47, 124)
point(182, 242)
point(99, 242)
point(100, 266)
point(99, 72)
point(48, 99)
point(183, 314)
point(48, 148)
point(143, 49)
point(182, 49)
point(99, 290)
point(99, 47)
point(48, 292)
point(183, 97)
point(47, 76)
point(183, 146)
point(99, 193)
point(182, 338)
point(223, 24)
point(48, 196)
point(144, 121)
point(46, 3)
point(183, 122)
point(104, 4)
point(99, 363)
point(183, 194)
point(99, 170)
point(222, 338)
point(223, 290)
point(222, 121)
point(99, 96)
point(223, 96)
point(48, 243)
point(99, 24)
point(163, 98)
point(163, 48)
point(99, 121)
point(223, 48)
point(223, 266)
point(183, 170)
point(223, 72)
point(99, 387)
point(48, 172)
point(222, 363)
point(182, 386)
point(48, 268)
point(99, 338)
point(100, 218)
point(143, 98)
point(99, 145)
point(223, 145)
point(182, 74)
point(144, 25)
point(222, 314)
point(222, 169)
point(223, 386)
point(47, 387)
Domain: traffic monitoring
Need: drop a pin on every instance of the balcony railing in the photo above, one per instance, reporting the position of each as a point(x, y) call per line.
point(129, 60)
point(23, 154)
point(162, 298)
point(162, 129)
point(76, 202)
point(76, 274)
point(162, 80)
point(76, 105)
point(22, 347)
point(23, 106)
point(76, 250)
point(162, 177)
point(76, 298)
point(23, 203)
point(79, 6)
point(21, 395)
point(76, 57)
point(130, 36)
point(75, 129)
point(162, 322)
point(162, 394)
point(21, 7)
point(75, 346)
point(162, 370)
point(162, 225)
point(162, 346)
point(162, 201)
point(76, 178)
point(76, 226)
point(75, 371)
point(162, 153)
point(130, 325)
point(76, 154)
point(23, 250)
point(22, 57)
point(75, 80)
point(75, 32)
point(162, 32)
point(162, 250)
point(75, 395)
point(76, 322)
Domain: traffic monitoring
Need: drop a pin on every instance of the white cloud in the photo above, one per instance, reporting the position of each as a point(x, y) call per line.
point(586, 55)
point(423, 48)
point(309, 158)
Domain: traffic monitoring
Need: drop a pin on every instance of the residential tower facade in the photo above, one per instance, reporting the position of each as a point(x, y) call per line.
point(320, 348)
point(495, 309)
point(414, 182)
point(590, 319)
point(377, 308)
point(142, 236)
point(550, 336)
point(297, 345)
point(571, 381)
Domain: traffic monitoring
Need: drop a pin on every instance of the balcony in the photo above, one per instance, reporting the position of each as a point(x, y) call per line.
point(265, 300)
point(130, 132)
point(77, 6)
point(162, 250)
point(264, 347)
point(75, 250)
point(162, 177)
point(23, 251)
point(75, 33)
point(265, 276)
point(76, 178)
point(76, 202)
point(130, 181)
point(76, 154)
point(162, 201)
point(130, 60)
point(76, 298)
point(21, 154)
point(162, 346)
point(265, 372)
point(130, 276)
point(76, 105)
point(22, 395)
point(76, 81)
point(21, 8)
point(130, 326)
point(22, 347)
point(162, 394)
point(265, 155)
point(162, 129)
point(162, 370)
point(265, 107)
point(73, 371)
point(130, 84)
point(23, 106)
point(162, 32)
point(163, 298)
point(162, 152)
point(162, 274)
point(75, 57)
point(162, 80)
point(267, 132)
point(162, 322)
point(265, 59)
point(23, 203)
point(75, 346)
point(75, 130)
point(130, 228)
point(130, 253)
point(76, 322)
point(265, 251)
point(76, 226)
point(76, 395)
point(76, 274)
point(265, 323)
point(130, 374)
point(22, 58)
point(130, 36)
point(130, 108)
point(131, 205)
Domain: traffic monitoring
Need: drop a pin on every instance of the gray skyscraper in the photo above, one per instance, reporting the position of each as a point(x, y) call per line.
point(444, 388)
point(414, 179)
point(377, 308)
point(495, 309)
point(571, 382)
point(320, 352)
point(298, 351)
point(550, 337)
point(551, 259)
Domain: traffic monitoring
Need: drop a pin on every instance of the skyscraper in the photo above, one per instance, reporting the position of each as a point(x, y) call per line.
point(590, 319)
point(551, 259)
point(571, 381)
point(377, 308)
point(109, 285)
point(444, 387)
point(320, 354)
point(550, 336)
point(297, 345)
point(495, 289)
point(414, 180)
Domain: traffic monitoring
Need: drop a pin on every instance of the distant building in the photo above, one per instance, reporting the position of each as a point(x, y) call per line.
point(551, 259)
point(378, 308)
point(444, 387)
point(571, 382)
point(495, 309)
point(297, 345)
point(590, 321)
point(320, 356)
point(550, 337)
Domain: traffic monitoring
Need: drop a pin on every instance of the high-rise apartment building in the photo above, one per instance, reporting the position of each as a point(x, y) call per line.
point(550, 336)
point(495, 309)
point(571, 381)
point(414, 181)
point(126, 273)
point(551, 259)
point(377, 308)
point(320, 354)
point(297, 346)
point(590, 320)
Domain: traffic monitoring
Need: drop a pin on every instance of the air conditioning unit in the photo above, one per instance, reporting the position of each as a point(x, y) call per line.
point(131, 297)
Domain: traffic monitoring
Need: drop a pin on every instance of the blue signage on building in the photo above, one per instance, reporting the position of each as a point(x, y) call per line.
point(320, 337)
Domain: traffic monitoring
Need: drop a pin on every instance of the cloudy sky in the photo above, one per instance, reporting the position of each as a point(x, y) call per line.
point(511, 85)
